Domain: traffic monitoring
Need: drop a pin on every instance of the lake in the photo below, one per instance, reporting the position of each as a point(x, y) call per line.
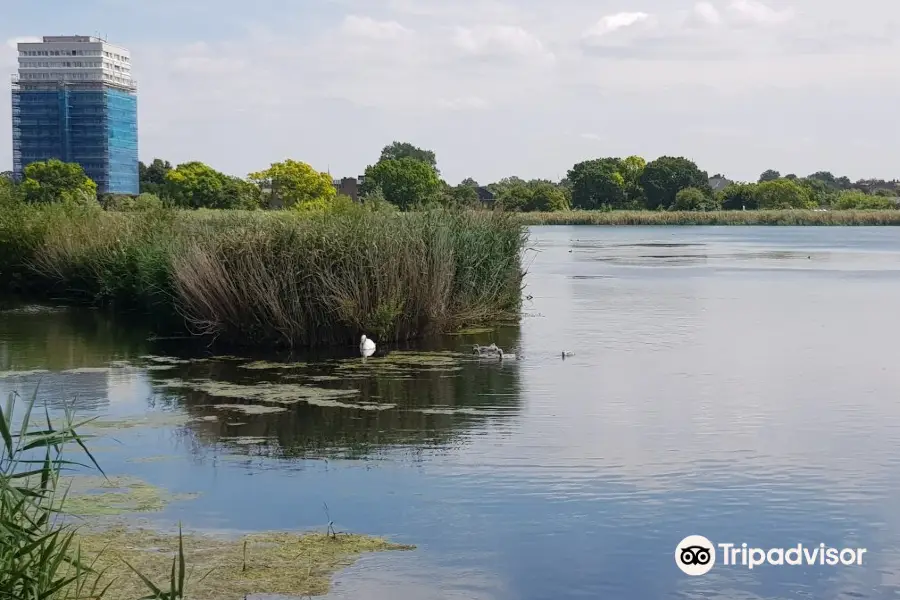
point(736, 383)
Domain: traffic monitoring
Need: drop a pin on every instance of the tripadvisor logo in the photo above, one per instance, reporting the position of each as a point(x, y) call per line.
point(696, 555)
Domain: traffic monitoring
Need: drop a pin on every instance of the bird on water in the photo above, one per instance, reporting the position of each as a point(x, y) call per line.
point(366, 346)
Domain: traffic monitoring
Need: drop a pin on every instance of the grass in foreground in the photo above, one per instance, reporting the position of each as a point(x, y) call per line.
point(274, 278)
point(43, 556)
point(724, 217)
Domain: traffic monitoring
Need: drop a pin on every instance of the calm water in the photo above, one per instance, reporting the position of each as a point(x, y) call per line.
point(737, 383)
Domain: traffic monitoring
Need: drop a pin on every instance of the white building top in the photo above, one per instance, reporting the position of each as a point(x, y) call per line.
point(75, 59)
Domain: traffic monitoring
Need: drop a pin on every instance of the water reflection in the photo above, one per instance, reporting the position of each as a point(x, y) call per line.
point(750, 396)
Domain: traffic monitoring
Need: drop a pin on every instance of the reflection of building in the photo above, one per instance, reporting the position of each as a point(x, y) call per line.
point(74, 100)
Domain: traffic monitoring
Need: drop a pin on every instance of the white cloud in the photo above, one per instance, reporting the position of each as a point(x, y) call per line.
point(301, 82)
point(708, 13)
point(500, 41)
point(615, 22)
point(367, 28)
point(464, 103)
point(758, 13)
point(15, 41)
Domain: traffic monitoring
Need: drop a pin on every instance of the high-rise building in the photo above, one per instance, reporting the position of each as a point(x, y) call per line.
point(74, 100)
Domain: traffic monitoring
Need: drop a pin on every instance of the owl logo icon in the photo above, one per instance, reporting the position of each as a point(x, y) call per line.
point(695, 555)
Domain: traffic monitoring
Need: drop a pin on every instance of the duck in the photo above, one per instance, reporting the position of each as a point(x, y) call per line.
point(566, 353)
point(366, 346)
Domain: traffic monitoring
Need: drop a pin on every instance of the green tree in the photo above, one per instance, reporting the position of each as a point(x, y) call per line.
point(462, 195)
point(781, 194)
point(546, 197)
point(468, 181)
point(197, 185)
point(405, 182)
point(692, 198)
point(54, 180)
point(665, 176)
point(7, 190)
point(819, 190)
point(597, 183)
point(738, 196)
point(291, 182)
point(497, 187)
point(855, 199)
point(769, 175)
point(631, 168)
point(153, 177)
point(884, 193)
point(398, 150)
point(791, 176)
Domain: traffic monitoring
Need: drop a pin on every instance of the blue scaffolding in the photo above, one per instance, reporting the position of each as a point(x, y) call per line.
point(92, 124)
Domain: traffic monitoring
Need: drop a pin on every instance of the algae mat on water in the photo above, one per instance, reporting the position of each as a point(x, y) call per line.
point(92, 496)
point(219, 568)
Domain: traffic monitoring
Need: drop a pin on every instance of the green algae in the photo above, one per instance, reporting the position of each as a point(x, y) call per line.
point(88, 370)
point(222, 566)
point(152, 419)
point(246, 440)
point(262, 365)
point(153, 459)
point(251, 409)
point(8, 374)
point(94, 496)
point(473, 331)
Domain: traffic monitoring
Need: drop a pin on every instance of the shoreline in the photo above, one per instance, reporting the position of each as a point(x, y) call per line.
point(730, 218)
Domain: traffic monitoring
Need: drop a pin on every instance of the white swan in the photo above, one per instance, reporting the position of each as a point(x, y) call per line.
point(366, 346)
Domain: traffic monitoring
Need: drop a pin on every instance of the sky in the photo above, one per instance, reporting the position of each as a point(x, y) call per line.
point(499, 87)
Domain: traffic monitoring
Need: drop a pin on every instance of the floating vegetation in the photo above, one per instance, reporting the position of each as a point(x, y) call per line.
point(207, 418)
point(34, 309)
point(263, 365)
point(473, 331)
point(150, 419)
point(8, 374)
point(171, 360)
point(273, 393)
point(448, 411)
point(402, 364)
point(251, 409)
point(88, 370)
point(285, 564)
point(152, 459)
point(91, 495)
point(247, 440)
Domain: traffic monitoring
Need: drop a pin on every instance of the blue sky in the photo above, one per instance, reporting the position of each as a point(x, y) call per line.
point(500, 87)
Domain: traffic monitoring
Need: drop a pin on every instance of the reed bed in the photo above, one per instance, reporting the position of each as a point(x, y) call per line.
point(274, 278)
point(724, 217)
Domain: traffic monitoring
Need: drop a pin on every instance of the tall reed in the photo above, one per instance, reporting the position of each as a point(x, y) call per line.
point(326, 278)
point(40, 558)
point(264, 278)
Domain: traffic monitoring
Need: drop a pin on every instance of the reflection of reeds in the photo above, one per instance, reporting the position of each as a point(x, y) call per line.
point(722, 217)
point(433, 406)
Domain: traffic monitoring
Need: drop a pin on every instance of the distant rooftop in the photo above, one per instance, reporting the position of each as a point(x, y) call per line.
point(71, 38)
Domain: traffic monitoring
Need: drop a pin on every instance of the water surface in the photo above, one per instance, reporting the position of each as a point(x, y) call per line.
point(737, 383)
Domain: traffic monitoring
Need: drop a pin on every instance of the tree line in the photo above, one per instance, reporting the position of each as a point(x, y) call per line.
point(408, 177)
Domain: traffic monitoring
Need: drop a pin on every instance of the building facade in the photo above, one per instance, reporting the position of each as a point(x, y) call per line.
point(74, 99)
